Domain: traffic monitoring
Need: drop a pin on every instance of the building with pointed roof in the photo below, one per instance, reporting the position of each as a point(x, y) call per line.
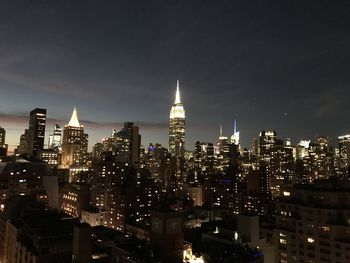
point(177, 126)
point(74, 143)
point(74, 122)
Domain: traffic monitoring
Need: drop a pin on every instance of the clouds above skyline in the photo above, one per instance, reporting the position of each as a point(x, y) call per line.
point(119, 61)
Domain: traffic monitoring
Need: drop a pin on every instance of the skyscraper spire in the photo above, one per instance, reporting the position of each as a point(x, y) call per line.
point(177, 126)
point(177, 96)
point(235, 135)
point(74, 122)
point(220, 130)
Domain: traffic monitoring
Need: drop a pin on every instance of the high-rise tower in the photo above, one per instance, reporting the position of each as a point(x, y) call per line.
point(2, 137)
point(177, 127)
point(55, 139)
point(3, 146)
point(128, 142)
point(235, 135)
point(37, 124)
point(75, 143)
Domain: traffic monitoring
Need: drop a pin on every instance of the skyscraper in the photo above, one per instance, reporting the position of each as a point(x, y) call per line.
point(3, 146)
point(37, 123)
point(344, 153)
point(177, 127)
point(312, 223)
point(128, 142)
point(267, 139)
point(55, 139)
point(75, 143)
point(2, 137)
point(235, 135)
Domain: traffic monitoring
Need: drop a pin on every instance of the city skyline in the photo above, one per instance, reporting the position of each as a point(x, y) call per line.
point(174, 131)
point(233, 62)
point(100, 130)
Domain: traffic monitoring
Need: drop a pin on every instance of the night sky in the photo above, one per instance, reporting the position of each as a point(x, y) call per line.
point(281, 65)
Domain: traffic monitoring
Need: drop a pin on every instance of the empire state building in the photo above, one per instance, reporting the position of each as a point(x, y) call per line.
point(177, 127)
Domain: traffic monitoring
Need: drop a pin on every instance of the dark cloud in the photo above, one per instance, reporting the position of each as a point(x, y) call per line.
point(119, 60)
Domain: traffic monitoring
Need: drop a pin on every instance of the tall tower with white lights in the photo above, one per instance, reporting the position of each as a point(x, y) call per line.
point(177, 127)
point(74, 143)
point(235, 135)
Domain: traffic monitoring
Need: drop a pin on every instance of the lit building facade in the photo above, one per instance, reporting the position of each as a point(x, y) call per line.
point(128, 142)
point(235, 135)
point(177, 127)
point(312, 223)
point(75, 143)
point(50, 156)
point(55, 139)
point(267, 139)
point(344, 153)
point(74, 198)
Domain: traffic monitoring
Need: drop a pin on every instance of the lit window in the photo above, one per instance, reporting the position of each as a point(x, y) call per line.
point(310, 240)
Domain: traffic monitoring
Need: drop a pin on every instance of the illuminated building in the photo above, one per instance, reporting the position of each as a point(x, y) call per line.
point(255, 147)
point(235, 135)
point(128, 142)
point(207, 157)
point(281, 167)
point(93, 216)
point(223, 153)
point(75, 143)
point(195, 192)
point(312, 223)
point(130, 197)
point(55, 139)
point(256, 199)
point(19, 176)
point(302, 149)
point(344, 154)
point(78, 174)
point(74, 198)
point(97, 150)
point(51, 156)
point(279, 160)
point(102, 171)
point(197, 156)
point(266, 141)
point(109, 143)
point(36, 131)
point(142, 195)
point(156, 160)
point(314, 160)
point(177, 127)
point(125, 192)
point(321, 161)
point(220, 241)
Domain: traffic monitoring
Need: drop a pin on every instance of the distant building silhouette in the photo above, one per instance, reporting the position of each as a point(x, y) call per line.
point(37, 122)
